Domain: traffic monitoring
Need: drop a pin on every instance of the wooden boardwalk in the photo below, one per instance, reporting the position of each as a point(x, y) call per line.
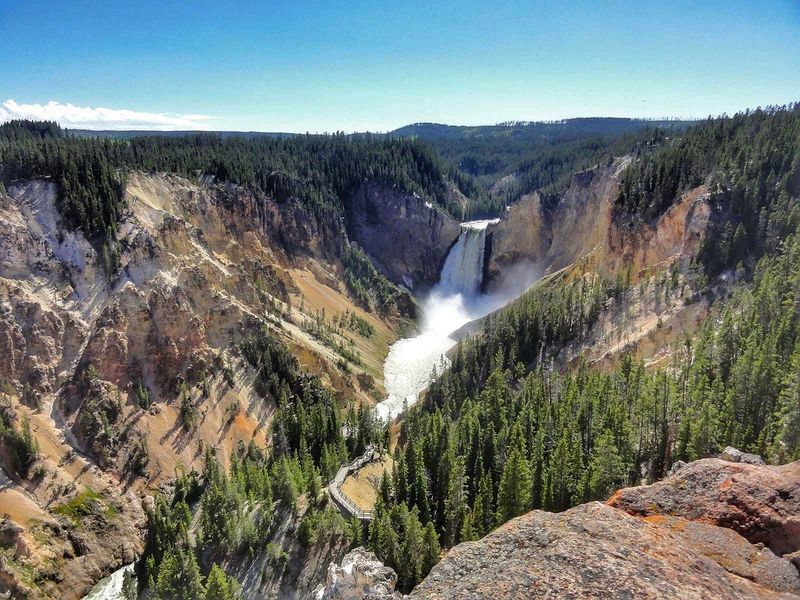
point(346, 506)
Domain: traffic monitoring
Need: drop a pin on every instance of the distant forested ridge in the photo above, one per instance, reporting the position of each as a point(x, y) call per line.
point(551, 130)
point(319, 172)
point(509, 160)
point(127, 134)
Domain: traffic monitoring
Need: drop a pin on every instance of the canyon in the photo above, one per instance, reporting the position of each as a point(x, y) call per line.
point(125, 380)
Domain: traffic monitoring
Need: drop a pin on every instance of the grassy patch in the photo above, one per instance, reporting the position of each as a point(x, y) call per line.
point(82, 505)
point(363, 485)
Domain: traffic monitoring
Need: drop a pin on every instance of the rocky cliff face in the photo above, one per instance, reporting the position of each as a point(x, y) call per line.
point(580, 230)
point(286, 568)
point(523, 235)
point(407, 237)
point(98, 364)
point(714, 529)
point(579, 237)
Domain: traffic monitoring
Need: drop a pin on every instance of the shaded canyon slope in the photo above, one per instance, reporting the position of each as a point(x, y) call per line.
point(407, 237)
point(714, 529)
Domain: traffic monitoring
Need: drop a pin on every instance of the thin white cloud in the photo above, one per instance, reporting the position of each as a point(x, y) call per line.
point(84, 117)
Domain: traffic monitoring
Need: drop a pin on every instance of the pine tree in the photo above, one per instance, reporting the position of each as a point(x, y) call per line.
point(218, 585)
point(385, 488)
point(389, 544)
point(537, 468)
point(179, 576)
point(285, 486)
point(467, 532)
point(513, 497)
point(455, 502)
point(314, 486)
point(29, 449)
point(786, 446)
point(421, 492)
point(412, 550)
point(130, 587)
point(484, 514)
point(430, 549)
point(607, 470)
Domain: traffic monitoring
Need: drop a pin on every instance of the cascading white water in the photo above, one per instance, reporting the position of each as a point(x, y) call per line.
point(110, 588)
point(463, 270)
point(453, 302)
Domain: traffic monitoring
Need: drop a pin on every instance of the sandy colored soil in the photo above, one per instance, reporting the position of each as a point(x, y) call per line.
point(362, 486)
point(317, 295)
point(18, 507)
point(170, 445)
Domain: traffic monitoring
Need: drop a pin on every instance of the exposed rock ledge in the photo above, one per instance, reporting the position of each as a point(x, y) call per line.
point(361, 576)
point(714, 529)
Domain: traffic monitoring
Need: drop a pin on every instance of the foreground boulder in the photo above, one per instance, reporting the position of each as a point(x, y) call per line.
point(713, 529)
point(591, 551)
point(761, 503)
point(734, 553)
point(731, 454)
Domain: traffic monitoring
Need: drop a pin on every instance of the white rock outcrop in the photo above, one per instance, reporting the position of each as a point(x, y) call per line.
point(731, 454)
point(360, 576)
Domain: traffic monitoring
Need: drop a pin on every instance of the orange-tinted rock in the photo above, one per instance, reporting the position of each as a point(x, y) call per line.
point(735, 554)
point(761, 503)
point(714, 529)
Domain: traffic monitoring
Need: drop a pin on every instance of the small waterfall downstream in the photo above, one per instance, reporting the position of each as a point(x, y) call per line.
point(453, 302)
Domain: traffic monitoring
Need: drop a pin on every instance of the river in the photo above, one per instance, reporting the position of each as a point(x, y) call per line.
point(110, 588)
point(453, 302)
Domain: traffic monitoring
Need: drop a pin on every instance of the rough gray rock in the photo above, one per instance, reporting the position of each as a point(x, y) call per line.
point(591, 551)
point(714, 529)
point(731, 454)
point(360, 576)
point(408, 237)
point(677, 466)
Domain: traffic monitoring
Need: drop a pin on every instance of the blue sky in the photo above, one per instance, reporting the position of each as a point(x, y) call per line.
point(351, 65)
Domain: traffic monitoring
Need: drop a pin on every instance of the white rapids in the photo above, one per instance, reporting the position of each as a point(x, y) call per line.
point(110, 588)
point(453, 302)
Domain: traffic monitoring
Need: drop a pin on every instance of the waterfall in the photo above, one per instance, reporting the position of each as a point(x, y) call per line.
point(463, 270)
point(453, 302)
